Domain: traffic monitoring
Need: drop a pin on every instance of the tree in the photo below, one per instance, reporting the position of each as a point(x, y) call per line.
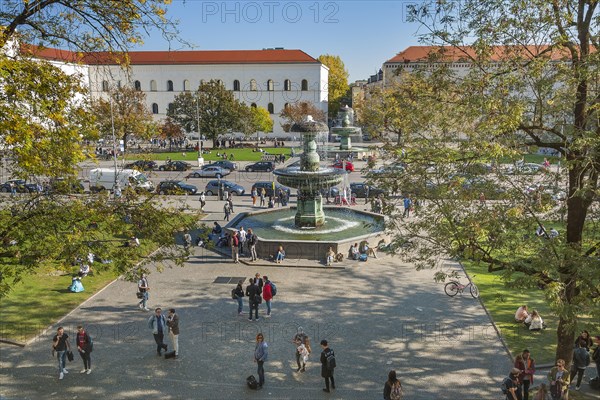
point(127, 112)
point(297, 112)
point(338, 82)
point(170, 130)
point(216, 107)
point(261, 120)
point(515, 94)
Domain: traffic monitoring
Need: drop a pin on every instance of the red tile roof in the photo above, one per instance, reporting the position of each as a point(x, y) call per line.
point(268, 56)
point(464, 53)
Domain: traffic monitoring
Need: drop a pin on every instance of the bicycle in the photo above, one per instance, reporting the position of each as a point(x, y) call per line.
point(452, 288)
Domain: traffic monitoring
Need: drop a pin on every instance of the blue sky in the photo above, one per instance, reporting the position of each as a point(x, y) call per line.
point(363, 33)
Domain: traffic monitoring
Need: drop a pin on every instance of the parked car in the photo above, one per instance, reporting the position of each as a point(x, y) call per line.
point(388, 169)
point(212, 188)
point(175, 166)
point(175, 187)
point(526, 168)
point(269, 188)
point(223, 164)
point(340, 164)
point(142, 165)
point(361, 190)
point(210, 171)
point(265, 166)
point(20, 186)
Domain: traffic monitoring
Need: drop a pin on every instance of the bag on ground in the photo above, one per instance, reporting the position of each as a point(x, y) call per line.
point(252, 382)
point(170, 354)
point(363, 257)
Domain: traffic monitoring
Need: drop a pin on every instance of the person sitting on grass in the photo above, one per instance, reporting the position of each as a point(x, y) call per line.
point(521, 314)
point(534, 321)
point(280, 255)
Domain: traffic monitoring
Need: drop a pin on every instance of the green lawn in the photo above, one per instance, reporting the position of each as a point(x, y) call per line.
point(42, 299)
point(502, 303)
point(238, 155)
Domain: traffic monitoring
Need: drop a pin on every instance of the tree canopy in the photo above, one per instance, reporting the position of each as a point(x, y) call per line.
point(297, 112)
point(530, 84)
point(338, 82)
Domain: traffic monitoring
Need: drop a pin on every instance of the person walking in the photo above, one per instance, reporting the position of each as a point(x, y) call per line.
point(581, 359)
point(173, 324)
point(392, 390)
point(526, 365)
point(226, 210)
point(267, 294)
point(252, 240)
point(253, 292)
point(407, 204)
point(263, 195)
point(327, 365)
point(239, 296)
point(300, 340)
point(261, 353)
point(158, 323)
point(187, 241)
point(61, 345)
point(143, 288)
point(85, 347)
point(202, 201)
point(230, 202)
point(235, 247)
point(559, 380)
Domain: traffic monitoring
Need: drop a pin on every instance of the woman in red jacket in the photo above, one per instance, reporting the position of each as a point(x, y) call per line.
point(267, 295)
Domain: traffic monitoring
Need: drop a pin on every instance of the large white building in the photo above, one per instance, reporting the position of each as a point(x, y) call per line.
point(268, 78)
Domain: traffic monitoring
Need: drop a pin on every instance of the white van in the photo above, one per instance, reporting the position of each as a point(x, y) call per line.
point(104, 179)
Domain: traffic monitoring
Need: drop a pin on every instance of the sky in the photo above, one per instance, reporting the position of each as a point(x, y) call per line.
point(363, 33)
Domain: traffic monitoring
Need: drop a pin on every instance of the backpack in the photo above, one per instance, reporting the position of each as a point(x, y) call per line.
point(396, 393)
point(251, 382)
point(330, 360)
point(233, 294)
point(273, 288)
point(236, 241)
point(505, 384)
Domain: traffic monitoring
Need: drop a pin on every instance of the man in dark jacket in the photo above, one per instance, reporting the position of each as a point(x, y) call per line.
point(84, 346)
point(173, 324)
point(326, 372)
point(253, 292)
point(581, 359)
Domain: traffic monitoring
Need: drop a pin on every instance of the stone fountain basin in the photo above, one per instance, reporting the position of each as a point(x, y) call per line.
point(325, 177)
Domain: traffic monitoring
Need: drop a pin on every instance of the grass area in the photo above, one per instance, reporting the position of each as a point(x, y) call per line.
point(502, 303)
point(238, 155)
point(41, 299)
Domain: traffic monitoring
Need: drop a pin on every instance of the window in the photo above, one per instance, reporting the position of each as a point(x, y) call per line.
point(253, 85)
point(105, 86)
point(169, 86)
point(153, 86)
point(154, 108)
point(137, 85)
point(304, 85)
point(220, 82)
point(236, 86)
point(270, 86)
point(286, 106)
point(287, 85)
point(253, 105)
point(271, 108)
point(171, 107)
point(119, 84)
point(186, 85)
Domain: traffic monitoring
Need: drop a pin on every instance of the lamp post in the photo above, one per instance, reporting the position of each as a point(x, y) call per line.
point(112, 123)
point(200, 157)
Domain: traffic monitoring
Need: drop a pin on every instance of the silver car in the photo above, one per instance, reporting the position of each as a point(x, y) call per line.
point(210, 171)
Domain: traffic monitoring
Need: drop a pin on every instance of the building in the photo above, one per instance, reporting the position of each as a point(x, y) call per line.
point(268, 78)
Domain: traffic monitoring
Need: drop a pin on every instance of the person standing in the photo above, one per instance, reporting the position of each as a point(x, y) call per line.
point(187, 241)
point(263, 195)
point(230, 202)
point(202, 201)
point(596, 355)
point(254, 195)
point(559, 380)
point(158, 324)
point(512, 385)
point(239, 296)
point(252, 240)
point(253, 292)
point(327, 367)
point(581, 359)
point(143, 288)
point(60, 344)
point(407, 204)
point(392, 390)
point(267, 295)
point(226, 210)
point(526, 365)
point(301, 339)
point(173, 324)
point(85, 347)
point(261, 353)
point(235, 247)
point(242, 236)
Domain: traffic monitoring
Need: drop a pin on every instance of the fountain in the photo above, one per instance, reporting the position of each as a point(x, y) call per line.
point(309, 229)
point(347, 116)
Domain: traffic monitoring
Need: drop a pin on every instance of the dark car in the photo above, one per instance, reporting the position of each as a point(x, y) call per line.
point(361, 190)
point(175, 166)
point(224, 164)
point(212, 188)
point(175, 187)
point(265, 166)
point(142, 165)
point(20, 186)
point(269, 188)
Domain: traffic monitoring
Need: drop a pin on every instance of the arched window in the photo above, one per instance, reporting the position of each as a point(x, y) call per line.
point(304, 85)
point(137, 85)
point(154, 108)
point(270, 86)
point(253, 105)
point(105, 86)
point(153, 86)
point(287, 85)
point(236, 86)
point(220, 82)
point(171, 108)
point(186, 85)
point(253, 85)
point(271, 108)
point(286, 106)
point(169, 86)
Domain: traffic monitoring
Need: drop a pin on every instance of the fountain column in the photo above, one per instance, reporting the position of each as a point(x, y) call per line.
point(310, 202)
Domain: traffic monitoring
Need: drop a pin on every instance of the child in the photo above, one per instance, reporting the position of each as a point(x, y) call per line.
point(303, 354)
